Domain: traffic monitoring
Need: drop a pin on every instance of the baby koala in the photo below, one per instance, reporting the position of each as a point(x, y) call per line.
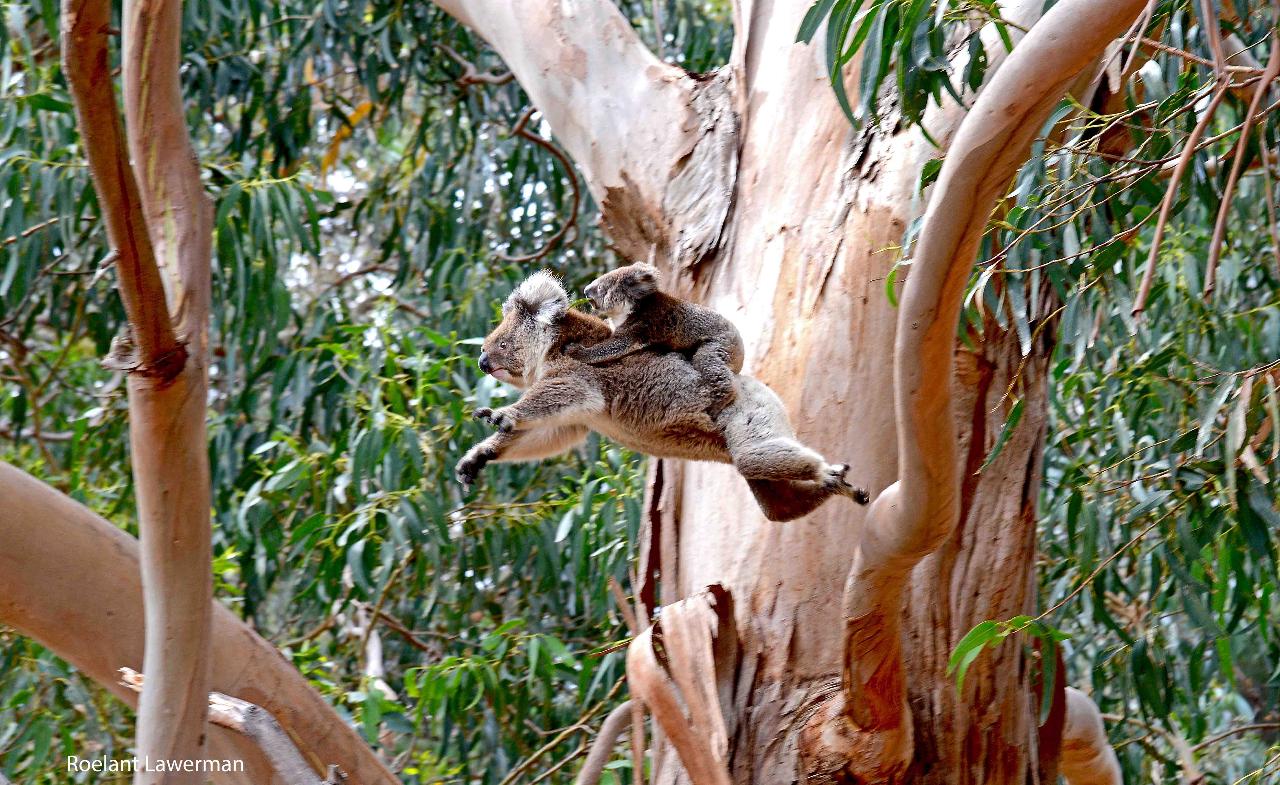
point(642, 316)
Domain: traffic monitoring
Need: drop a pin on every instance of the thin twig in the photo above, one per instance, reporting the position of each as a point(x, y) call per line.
point(1270, 197)
point(1220, 226)
point(520, 130)
point(25, 233)
point(1171, 194)
point(1191, 774)
point(1235, 731)
point(472, 75)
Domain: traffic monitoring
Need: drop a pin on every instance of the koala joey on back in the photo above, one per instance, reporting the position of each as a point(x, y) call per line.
point(643, 316)
point(649, 400)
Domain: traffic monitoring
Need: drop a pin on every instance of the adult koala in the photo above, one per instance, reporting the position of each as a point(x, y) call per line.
point(649, 401)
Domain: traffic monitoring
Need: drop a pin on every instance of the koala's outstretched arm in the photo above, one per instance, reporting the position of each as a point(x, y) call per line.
point(618, 346)
point(527, 445)
point(559, 400)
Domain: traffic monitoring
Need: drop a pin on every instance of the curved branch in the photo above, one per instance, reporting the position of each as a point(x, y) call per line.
point(521, 130)
point(179, 214)
point(1220, 225)
point(85, 29)
point(602, 747)
point(1087, 756)
point(914, 515)
point(70, 580)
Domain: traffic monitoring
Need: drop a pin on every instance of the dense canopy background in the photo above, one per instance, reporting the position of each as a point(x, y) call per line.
point(377, 195)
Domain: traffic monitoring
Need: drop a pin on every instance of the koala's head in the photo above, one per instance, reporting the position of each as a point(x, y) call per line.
point(615, 293)
point(514, 352)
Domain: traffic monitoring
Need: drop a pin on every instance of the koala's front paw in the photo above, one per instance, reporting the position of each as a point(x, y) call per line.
point(502, 419)
point(468, 469)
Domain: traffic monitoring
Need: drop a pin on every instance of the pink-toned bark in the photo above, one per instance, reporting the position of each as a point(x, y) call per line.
point(797, 230)
point(71, 581)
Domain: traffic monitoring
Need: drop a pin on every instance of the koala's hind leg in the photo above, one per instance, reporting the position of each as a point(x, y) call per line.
point(795, 469)
point(786, 500)
point(713, 361)
point(780, 458)
point(607, 351)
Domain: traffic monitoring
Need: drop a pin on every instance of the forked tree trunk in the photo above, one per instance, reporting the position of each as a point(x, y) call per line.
point(812, 651)
point(767, 205)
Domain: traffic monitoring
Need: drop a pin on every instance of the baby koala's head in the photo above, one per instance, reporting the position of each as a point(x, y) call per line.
point(615, 293)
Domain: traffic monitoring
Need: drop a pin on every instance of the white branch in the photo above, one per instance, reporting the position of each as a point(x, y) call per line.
point(1087, 756)
point(632, 123)
point(254, 723)
point(916, 514)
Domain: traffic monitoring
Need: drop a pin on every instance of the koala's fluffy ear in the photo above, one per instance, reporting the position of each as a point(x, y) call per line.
point(552, 311)
point(643, 280)
point(542, 296)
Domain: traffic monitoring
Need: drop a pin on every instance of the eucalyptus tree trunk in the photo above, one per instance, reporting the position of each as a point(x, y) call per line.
point(816, 651)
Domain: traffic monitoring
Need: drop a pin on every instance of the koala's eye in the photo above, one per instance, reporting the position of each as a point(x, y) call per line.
point(502, 344)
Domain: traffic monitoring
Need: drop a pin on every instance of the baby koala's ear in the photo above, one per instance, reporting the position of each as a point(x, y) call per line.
point(643, 280)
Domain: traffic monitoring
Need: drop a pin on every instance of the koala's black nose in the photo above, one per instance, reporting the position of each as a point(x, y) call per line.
point(485, 365)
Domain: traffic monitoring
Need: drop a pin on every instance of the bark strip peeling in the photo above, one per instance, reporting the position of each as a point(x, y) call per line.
point(680, 661)
point(1087, 756)
point(918, 512)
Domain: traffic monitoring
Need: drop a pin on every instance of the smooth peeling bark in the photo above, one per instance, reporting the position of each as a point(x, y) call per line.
point(915, 515)
point(632, 124)
point(816, 211)
point(1087, 756)
point(167, 433)
point(70, 580)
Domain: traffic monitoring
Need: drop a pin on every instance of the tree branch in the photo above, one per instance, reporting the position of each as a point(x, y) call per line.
point(162, 221)
point(179, 214)
point(254, 723)
point(632, 123)
point(85, 30)
point(914, 515)
point(70, 580)
point(1087, 757)
point(602, 747)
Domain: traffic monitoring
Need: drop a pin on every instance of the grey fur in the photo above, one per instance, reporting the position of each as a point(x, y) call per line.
point(645, 317)
point(648, 400)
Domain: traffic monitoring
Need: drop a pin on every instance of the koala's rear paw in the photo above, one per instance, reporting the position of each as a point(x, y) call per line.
point(835, 479)
point(833, 474)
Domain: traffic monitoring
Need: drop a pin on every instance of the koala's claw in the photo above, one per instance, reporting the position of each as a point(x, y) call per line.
point(835, 478)
point(468, 469)
point(498, 418)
